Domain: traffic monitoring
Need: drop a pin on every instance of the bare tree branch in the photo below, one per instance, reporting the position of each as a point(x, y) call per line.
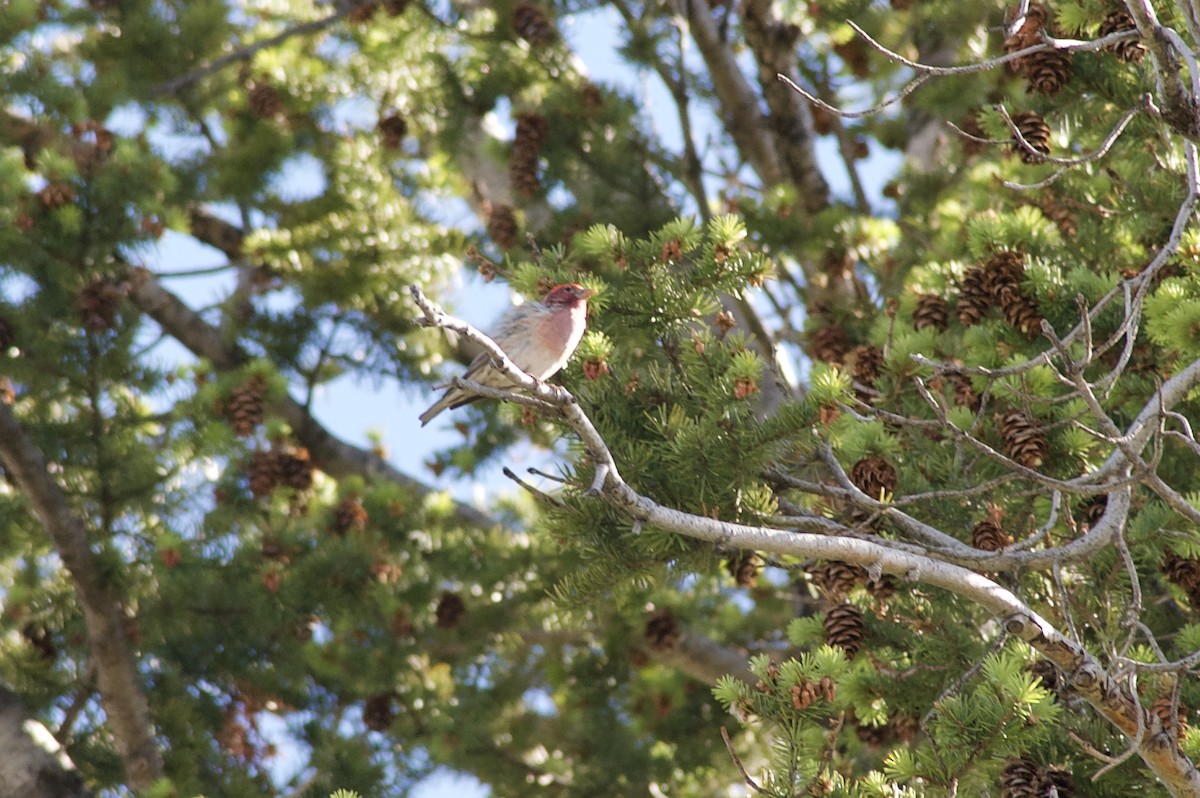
point(121, 692)
point(1110, 697)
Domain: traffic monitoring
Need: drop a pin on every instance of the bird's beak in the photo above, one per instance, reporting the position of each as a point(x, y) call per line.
point(586, 293)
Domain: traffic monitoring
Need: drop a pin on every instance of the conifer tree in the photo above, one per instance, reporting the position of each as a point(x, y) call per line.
point(874, 475)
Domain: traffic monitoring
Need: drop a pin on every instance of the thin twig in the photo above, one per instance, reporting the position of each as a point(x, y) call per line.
point(737, 760)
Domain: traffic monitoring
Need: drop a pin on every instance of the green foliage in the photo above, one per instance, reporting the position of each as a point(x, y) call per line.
point(305, 619)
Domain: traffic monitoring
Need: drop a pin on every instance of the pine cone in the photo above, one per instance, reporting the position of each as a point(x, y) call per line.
point(450, 610)
point(1182, 571)
point(265, 472)
point(393, 129)
point(56, 194)
point(1025, 36)
point(974, 296)
point(1020, 779)
point(363, 12)
point(1023, 441)
point(873, 736)
point(1021, 311)
point(1064, 219)
point(502, 226)
point(99, 302)
point(523, 173)
point(868, 363)
point(1057, 777)
point(1130, 52)
point(829, 344)
point(662, 630)
point(296, 469)
point(906, 727)
point(265, 101)
point(845, 629)
point(931, 311)
point(1162, 708)
point(1048, 71)
point(244, 408)
point(349, 515)
point(1046, 672)
point(970, 125)
point(532, 129)
point(883, 588)
point(532, 24)
point(1005, 269)
point(988, 536)
point(874, 476)
point(836, 579)
point(964, 392)
point(854, 54)
point(1036, 133)
point(378, 713)
point(395, 8)
point(745, 568)
point(1091, 511)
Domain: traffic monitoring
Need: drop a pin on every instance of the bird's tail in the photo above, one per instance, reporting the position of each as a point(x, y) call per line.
point(451, 399)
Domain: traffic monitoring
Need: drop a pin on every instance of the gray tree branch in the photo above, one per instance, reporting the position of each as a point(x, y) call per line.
point(121, 692)
point(1103, 692)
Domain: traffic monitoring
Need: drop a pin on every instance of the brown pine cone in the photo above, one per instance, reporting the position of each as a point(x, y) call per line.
point(836, 579)
point(1048, 71)
point(265, 472)
point(1047, 672)
point(296, 469)
point(502, 226)
point(964, 392)
point(378, 712)
point(393, 129)
point(1036, 133)
point(931, 311)
point(99, 302)
point(970, 125)
point(1182, 571)
point(829, 344)
point(868, 363)
point(988, 536)
point(1020, 779)
point(56, 194)
point(1092, 511)
point(349, 515)
point(1131, 51)
point(844, 628)
point(532, 23)
point(662, 631)
point(1023, 441)
point(244, 408)
point(265, 100)
point(974, 296)
point(1064, 219)
point(1169, 719)
point(874, 476)
point(745, 568)
point(1057, 777)
point(1021, 311)
point(450, 610)
point(1005, 269)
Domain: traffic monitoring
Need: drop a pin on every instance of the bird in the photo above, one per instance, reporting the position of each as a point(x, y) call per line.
point(539, 337)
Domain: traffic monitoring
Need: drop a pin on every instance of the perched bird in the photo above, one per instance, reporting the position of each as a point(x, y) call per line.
point(539, 337)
